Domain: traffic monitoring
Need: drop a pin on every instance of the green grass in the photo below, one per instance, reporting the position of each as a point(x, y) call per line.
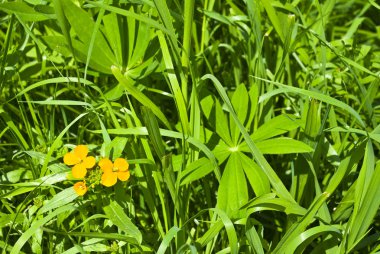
point(249, 126)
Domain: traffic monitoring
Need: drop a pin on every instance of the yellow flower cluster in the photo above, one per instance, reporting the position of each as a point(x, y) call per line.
point(107, 175)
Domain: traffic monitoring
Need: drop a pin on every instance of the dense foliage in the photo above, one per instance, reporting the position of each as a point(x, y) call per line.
point(193, 126)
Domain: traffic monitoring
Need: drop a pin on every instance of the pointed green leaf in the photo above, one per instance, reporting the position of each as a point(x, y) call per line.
point(84, 26)
point(167, 239)
point(196, 170)
point(60, 199)
point(118, 217)
point(138, 95)
point(24, 11)
point(221, 124)
point(232, 192)
point(240, 103)
point(276, 126)
point(258, 156)
point(256, 177)
point(283, 146)
point(36, 225)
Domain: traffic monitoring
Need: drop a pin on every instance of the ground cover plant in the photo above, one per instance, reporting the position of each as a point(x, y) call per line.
point(153, 126)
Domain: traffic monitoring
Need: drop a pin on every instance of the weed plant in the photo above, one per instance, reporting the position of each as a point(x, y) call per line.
point(153, 126)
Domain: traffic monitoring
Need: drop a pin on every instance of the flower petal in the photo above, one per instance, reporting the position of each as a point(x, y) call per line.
point(71, 159)
point(106, 165)
point(109, 179)
point(89, 162)
point(123, 175)
point(79, 171)
point(121, 164)
point(81, 151)
point(80, 188)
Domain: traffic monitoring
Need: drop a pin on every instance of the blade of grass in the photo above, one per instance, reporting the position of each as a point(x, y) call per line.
point(175, 88)
point(138, 95)
point(167, 239)
point(318, 96)
point(57, 142)
point(186, 42)
point(299, 227)
point(28, 233)
point(136, 16)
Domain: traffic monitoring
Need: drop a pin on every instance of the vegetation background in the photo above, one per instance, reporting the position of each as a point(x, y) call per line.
point(250, 126)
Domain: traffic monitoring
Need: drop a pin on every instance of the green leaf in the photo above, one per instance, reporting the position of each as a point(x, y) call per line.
point(274, 19)
point(230, 229)
point(212, 231)
point(344, 209)
point(270, 202)
point(11, 125)
point(138, 95)
point(57, 142)
point(52, 81)
point(232, 191)
point(283, 146)
point(144, 37)
point(207, 104)
point(367, 199)
point(167, 239)
point(196, 170)
point(299, 243)
point(36, 225)
point(276, 126)
point(313, 122)
point(221, 152)
point(133, 15)
point(217, 226)
point(63, 23)
point(16, 176)
point(179, 98)
point(116, 146)
point(118, 217)
point(170, 180)
point(375, 137)
point(374, 4)
point(153, 131)
point(258, 156)
point(219, 17)
point(84, 26)
point(221, 124)
point(240, 103)
point(256, 177)
point(113, 34)
point(62, 103)
point(346, 165)
point(253, 238)
point(318, 96)
point(167, 19)
point(296, 229)
point(9, 219)
point(62, 198)
point(24, 11)
point(95, 236)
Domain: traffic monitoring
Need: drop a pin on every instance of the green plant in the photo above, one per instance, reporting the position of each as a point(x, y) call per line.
point(249, 126)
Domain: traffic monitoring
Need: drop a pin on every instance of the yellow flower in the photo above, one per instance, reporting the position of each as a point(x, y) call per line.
point(80, 188)
point(78, 158)
point(113, 171)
